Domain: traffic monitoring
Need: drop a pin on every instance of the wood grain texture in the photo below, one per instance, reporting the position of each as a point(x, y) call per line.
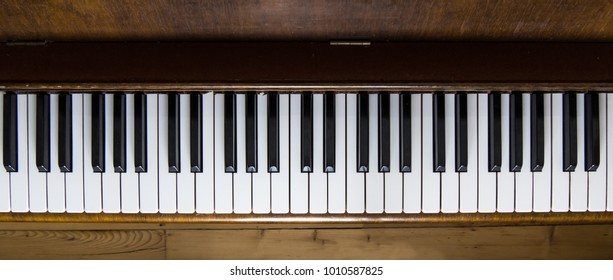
point(478, 20)
point(82, 244)
point(562, 242)
point(322, 220)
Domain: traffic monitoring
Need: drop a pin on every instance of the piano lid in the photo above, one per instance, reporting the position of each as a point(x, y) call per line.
point(306, 20)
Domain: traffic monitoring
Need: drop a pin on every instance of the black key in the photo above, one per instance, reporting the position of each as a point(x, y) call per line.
point(306, 132)
point(64, 157)
point(363, 132)
point(405, 132)
point(174, 133)
point(119, 132)
point(494, 132)
point(140, 132)
point(251, 131)
point(569, 131)
point(230, 132)
point(592, 132)
point(461, 132)
point(384, 132)
point(10, 132)
point(195, 132)
point(98, 134)
point(329, 132)
point(43, 133)
point(273, 132)
point(537, 132)
point(516, 154)
point(438, 114)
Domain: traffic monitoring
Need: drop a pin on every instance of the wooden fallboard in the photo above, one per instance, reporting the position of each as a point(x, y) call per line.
point(288, 66)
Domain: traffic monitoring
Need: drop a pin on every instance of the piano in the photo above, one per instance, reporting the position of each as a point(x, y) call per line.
point(440, 132)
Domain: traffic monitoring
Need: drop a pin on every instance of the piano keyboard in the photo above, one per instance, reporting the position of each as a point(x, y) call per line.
point(307, 152)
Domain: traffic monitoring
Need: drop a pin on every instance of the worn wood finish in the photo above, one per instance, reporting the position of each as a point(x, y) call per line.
point(543, 242)
point(82, 245)
point(283, 64)
point(519, 242)
point(325, 220)
point(479, 20)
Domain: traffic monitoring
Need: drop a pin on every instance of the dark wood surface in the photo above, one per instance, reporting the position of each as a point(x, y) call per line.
point(228, 64)
point(306, 20)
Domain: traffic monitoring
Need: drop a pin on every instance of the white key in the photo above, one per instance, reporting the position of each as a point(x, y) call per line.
point(393, 179)
point(168, 180)
point(242, 179)
point(560, 188)
point(223, 180)
point(129, 179)
point(597, 184)
point(261, 179)
point(374, 178)
point(450, 192)
point(111, 185)
point(469, 179)
point(74, 179)
point(19, 180)
point(542, 180)
point(91, 180)
point(5, 198)
point(299, 185)
point(487, 180)
point(609, 201)
point(318, 180)
point(412, 183)
point(355, 180)
point(57, 188)
point(37, 180)
point(431, 190)
point(186, 192)
point(336, 180)
point(204, 180)
point(578, 179)
point(280, 181)
point(506, 178)
point(149, 180)
point(523, 179)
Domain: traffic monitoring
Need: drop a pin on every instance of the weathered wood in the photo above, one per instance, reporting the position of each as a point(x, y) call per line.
point(424, 243)
point(475, 20)
point(82, 245)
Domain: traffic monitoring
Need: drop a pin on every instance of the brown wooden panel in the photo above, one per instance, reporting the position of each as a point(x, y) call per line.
point(540, 20)
point(582, 242)
point(82, 245)
point(307, 63)
point(422, 243)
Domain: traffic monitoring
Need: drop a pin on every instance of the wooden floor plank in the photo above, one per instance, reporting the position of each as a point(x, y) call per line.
point(415, 243)
point(82, 244)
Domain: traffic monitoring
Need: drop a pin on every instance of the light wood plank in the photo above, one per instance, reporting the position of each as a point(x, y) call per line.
point(82, 245)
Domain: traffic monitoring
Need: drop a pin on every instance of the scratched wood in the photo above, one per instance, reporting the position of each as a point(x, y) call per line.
point(82, 244)
point(475, 20)
point(542, 242)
